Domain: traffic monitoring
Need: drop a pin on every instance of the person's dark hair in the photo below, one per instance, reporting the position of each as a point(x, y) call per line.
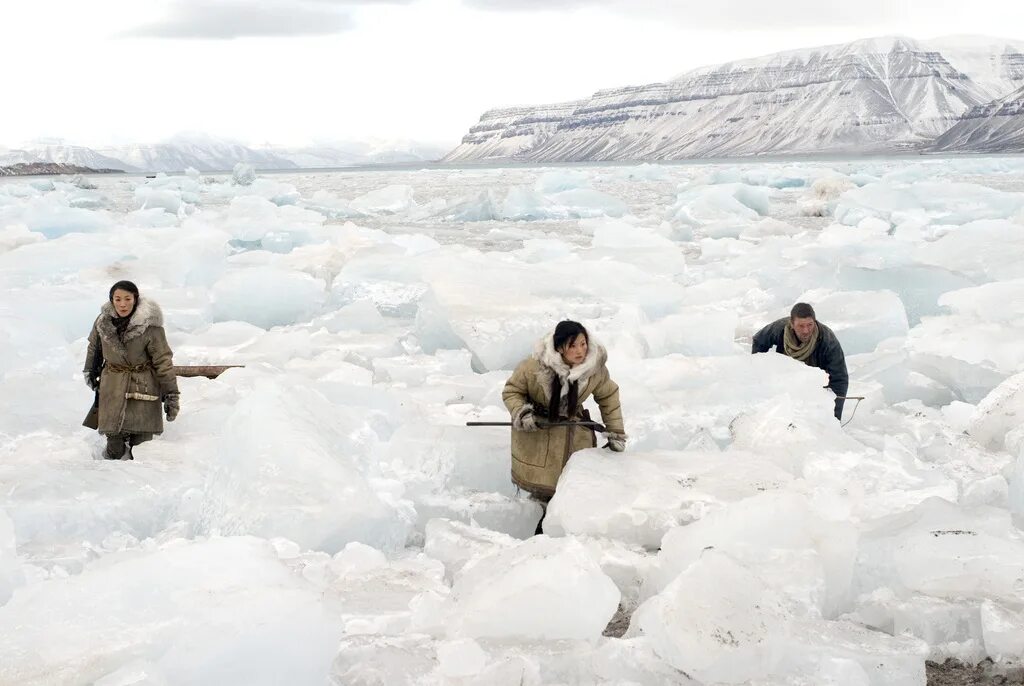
point(567, 331)
point(802, 311)
point(124, 286)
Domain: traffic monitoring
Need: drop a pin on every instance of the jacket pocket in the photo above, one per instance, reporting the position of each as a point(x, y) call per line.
point(531, 447)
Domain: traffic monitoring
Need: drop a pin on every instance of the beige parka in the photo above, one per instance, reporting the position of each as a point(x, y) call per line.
point(538, 457)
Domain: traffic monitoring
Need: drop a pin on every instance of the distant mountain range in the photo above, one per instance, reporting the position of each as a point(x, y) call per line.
point(208, 154)
point(871, 96)
point(878, 95)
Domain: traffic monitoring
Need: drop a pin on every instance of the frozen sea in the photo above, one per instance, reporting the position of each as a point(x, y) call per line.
point(324, 516)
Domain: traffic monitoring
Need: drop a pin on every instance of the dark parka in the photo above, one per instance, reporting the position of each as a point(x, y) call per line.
point(137, 373)
point(538, 457)
point(827, 355)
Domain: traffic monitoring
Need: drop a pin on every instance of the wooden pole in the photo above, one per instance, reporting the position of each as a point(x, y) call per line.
point(544, 425)
point(210, 371)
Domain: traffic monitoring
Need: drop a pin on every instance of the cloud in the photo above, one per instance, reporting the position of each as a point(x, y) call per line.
point(534, 5)
point(723, 14)
point(363, 3)
point(227, 19)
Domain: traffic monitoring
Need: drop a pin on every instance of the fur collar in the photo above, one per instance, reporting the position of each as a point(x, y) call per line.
point(551, 363)
point(147, 314)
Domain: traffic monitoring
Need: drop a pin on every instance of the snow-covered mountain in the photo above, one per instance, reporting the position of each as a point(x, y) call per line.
point(995, 65)
point(62, 154)
point(207, 153)
point(203, 152)
point(352, 153)
point(873, 95)
point(996, 127)
point(10, 156)
point(512, 132)
point(79, 156)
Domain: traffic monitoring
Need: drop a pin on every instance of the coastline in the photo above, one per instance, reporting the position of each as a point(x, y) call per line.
point(51, 169)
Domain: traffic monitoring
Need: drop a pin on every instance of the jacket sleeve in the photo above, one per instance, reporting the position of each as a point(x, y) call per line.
point(606, 394)
point(163, 364)
point(91, 352)
point(764, 340)
point(838, 378)
point(516, 392)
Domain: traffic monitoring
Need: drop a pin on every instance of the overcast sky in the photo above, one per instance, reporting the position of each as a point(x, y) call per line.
point(292, 71)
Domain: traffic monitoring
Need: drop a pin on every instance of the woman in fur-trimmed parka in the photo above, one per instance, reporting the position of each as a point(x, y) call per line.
point(569, 367)
point(129, 365)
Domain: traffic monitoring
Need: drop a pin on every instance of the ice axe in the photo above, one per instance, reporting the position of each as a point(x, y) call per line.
point(858, 398)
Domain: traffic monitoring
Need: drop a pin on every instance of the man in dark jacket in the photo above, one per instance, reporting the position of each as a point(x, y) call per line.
point(807, 340)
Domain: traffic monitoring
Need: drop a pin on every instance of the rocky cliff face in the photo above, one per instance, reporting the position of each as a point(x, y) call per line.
point(512, 132)
point(875, 95)
point(993, 127)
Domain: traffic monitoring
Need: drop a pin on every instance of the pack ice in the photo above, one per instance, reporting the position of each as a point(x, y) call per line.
point(324, 514)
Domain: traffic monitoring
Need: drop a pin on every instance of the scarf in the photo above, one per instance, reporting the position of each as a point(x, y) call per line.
point(794, 348)
point(556, 399)
point(121, 323)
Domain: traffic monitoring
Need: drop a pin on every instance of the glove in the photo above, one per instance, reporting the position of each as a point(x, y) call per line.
point(171, 406)
point(616, 442)
point(523, 420)
point(90, 381)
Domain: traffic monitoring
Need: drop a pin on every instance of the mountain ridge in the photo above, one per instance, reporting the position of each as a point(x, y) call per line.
point(207, 153)
point(993, 127)
point(873, 95)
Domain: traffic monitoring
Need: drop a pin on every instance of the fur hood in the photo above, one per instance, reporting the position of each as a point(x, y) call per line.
point(147, 314)
point(551, 363)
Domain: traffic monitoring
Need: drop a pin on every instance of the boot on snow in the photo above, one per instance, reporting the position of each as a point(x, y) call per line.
point(115, 448)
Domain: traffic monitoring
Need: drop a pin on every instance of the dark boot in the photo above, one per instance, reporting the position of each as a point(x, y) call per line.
point(134, 440)
point(543, 501)
point(115, 447)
